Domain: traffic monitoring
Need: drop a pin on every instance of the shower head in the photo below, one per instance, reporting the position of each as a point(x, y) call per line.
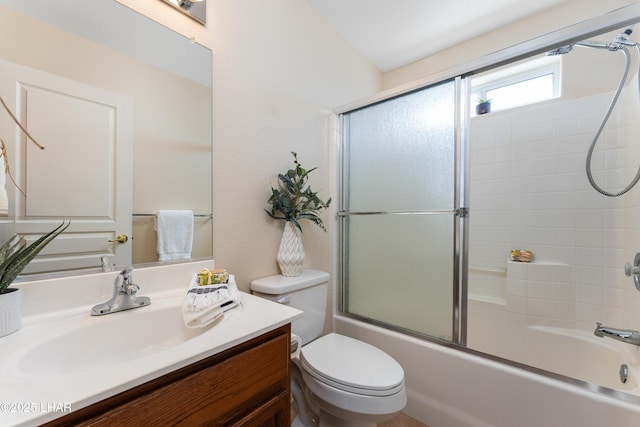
point(624, 39)
point(560, 50)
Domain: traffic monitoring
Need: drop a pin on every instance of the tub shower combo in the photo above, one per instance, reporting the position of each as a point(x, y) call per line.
point(433, 199)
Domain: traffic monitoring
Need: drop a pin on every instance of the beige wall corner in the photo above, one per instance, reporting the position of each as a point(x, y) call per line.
point(279, 69)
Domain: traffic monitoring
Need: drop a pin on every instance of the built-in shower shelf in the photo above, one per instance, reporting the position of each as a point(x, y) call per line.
point(487, 299)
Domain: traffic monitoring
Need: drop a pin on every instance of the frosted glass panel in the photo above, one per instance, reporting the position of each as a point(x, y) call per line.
point(401, 271)
point(401, 157)
point(402, 152)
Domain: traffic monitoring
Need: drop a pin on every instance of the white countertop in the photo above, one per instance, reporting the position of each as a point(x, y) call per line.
point(34, 393)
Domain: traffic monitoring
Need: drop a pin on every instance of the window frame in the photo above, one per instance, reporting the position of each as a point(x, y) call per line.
point(513, 74)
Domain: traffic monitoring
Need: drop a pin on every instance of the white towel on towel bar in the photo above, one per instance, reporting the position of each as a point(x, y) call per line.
point(175, 234)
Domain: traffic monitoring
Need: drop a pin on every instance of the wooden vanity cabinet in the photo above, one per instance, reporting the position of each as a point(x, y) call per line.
point(247, 385)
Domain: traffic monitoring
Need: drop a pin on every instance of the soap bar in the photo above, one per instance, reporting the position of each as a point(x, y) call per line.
point(520, 255)
point(212, 277)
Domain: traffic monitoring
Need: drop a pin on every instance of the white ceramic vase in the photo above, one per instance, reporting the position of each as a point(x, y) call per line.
point(291, 252)
point(10, 311)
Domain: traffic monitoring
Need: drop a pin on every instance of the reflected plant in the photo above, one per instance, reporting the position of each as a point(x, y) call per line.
point(294, 200)
point(3, 147)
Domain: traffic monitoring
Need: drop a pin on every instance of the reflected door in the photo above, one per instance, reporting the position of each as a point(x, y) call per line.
point(87, 134)
point(399, 212)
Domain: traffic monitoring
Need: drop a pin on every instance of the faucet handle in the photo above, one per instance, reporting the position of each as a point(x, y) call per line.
point(127, 273)
point(128, 287)
point(633, 270)
point(124, 282)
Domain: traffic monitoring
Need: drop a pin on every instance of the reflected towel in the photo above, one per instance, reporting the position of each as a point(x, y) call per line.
point(204, 305)
point(175, 234)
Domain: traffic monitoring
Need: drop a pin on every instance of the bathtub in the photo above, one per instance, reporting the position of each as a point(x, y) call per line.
point(575, 354)
point(448, 387)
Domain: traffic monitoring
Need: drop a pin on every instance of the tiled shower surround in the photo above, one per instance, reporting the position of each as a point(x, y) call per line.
point(529, 190)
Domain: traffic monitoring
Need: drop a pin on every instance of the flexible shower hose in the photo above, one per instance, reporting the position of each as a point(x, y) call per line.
point(612, 104)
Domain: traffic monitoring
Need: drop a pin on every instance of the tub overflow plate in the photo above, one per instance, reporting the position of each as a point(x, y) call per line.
point(624, 373)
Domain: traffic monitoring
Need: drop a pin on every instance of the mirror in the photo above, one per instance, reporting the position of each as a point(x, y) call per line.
point(167, 81)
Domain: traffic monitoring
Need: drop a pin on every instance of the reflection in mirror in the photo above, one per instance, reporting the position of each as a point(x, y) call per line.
point(530, 191)
point(123, 108)
point(195, 9)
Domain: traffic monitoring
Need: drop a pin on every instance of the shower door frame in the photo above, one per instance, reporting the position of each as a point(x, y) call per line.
point(610, 21)
point(459, 212)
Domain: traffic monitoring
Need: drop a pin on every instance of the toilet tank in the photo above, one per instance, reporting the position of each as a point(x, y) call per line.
point(307, 292)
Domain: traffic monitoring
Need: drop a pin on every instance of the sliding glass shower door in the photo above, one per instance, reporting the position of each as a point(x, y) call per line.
point(400, 212)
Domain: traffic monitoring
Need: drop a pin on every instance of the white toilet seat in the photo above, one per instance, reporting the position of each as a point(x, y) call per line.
point(352, 366)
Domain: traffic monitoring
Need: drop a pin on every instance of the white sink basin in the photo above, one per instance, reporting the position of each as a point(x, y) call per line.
point(63, 355)
point(108, 340)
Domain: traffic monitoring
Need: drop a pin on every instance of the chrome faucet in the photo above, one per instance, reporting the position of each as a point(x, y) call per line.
point(105, 264)
point(124, 296)
point(624, 335)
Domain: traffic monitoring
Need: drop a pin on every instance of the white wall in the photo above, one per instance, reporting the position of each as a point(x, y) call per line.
point(278, 71)
point(510, 35)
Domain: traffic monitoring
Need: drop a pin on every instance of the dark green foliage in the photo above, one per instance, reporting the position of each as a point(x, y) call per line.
point(294, 200)
point(15, 254)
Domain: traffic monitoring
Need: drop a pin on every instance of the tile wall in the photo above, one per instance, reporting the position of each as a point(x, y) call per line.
point(529, 190)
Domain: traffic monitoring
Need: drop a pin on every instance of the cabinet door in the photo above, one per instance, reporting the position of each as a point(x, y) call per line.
point(274, 413)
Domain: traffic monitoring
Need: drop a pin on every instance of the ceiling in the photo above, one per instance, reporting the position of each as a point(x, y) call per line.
point(394, 33)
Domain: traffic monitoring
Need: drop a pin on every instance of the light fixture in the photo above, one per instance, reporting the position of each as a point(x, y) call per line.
point(186, 4)
point(196, 9)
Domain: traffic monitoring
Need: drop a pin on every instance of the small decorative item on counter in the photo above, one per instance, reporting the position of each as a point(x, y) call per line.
point(520, 255)
point(212, 277)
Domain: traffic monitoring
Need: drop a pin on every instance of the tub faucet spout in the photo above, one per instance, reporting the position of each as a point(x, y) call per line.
point(625, 335)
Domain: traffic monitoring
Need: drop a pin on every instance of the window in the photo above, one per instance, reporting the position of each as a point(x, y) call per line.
point(518, 84)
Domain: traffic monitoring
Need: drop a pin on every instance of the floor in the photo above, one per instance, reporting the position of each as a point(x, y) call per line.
point(402, 420)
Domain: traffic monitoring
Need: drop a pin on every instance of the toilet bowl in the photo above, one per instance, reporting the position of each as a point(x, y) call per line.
point(337, 381)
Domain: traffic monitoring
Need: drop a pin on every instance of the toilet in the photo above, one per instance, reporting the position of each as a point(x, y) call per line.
point(336, 381)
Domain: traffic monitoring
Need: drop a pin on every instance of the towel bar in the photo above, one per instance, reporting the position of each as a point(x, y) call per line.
point(195, 215)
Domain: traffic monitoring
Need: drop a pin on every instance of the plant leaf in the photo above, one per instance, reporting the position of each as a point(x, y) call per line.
point(19, 259)
point(294, 199)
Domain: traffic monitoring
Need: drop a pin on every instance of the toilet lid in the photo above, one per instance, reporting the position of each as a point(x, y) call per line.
point(352, 365)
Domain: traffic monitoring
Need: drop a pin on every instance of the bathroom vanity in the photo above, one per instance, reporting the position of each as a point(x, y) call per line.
point(247, 385)
point(143, 367)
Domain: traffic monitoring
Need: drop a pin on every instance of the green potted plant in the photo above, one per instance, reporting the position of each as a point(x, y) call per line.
point(292, 201)
point(483, 106)
point(14, 257)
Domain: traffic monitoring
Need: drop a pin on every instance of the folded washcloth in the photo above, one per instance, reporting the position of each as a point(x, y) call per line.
point(175, 234)
point(204, 305)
